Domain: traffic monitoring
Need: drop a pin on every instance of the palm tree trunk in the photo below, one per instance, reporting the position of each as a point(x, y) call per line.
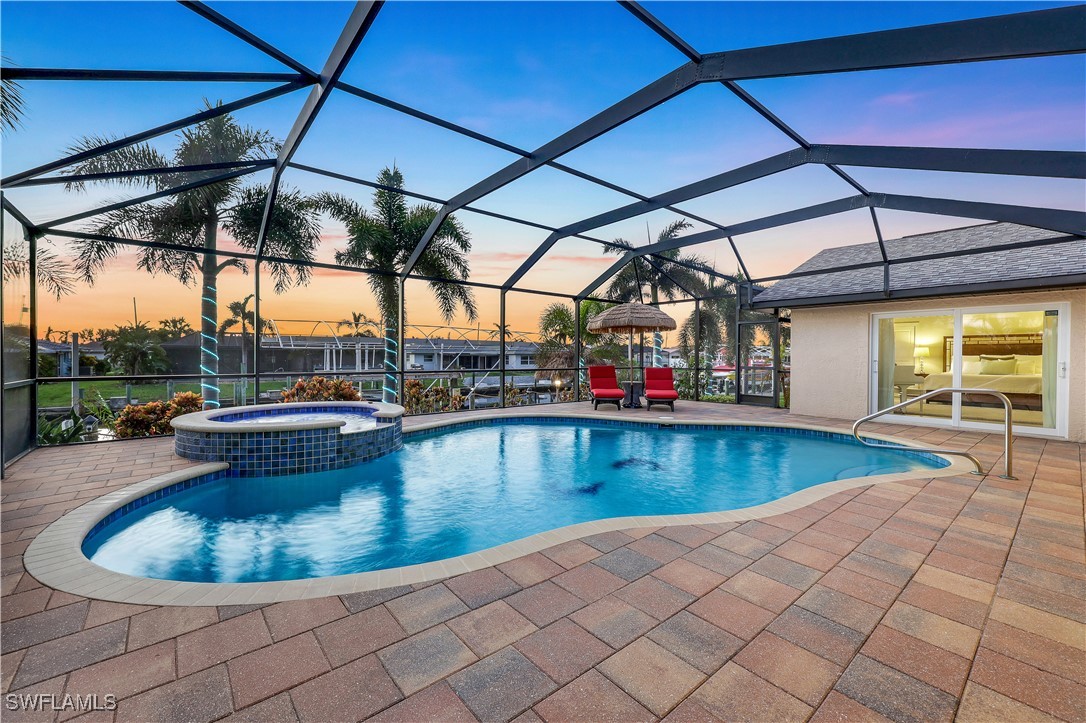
point(390, 387)
point(209, 319)
point(657, 337)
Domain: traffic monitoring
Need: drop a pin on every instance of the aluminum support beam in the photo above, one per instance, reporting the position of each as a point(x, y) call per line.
point(662, 30)
point(780, 219)
point(164, 170)
point(237, 31)
point(750, 172)
point(1053, 164)
point(151, 196)
point(1021, 35)
point(1068, 222)
point(1048, 164)
point(201, 76)
point(16, 179)
point(362, 17)
point(1053, 219)
point(652, 95)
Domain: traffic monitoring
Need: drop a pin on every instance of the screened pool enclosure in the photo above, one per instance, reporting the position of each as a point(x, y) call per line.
point(431, 199)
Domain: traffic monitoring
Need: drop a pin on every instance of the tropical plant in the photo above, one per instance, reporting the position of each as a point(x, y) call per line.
point(360, 325)
point(425, 400)
point(510, 335)
point(153, 418)
point(666, 276)
point(12, 105)
point(559, 329)
point(192, 219)
point(47, 365)
point(384, 239)
point(718, 329)
point(54, 275)
point(136, 350)
point(97, 406)
point(173, 328)
point(62, 430)
point(319, 389)
point(241, 314)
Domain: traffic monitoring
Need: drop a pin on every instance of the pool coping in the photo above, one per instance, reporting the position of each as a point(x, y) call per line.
point(204, 422)
point(55, 556)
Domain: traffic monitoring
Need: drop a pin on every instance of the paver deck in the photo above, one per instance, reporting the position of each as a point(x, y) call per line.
point(954, 598)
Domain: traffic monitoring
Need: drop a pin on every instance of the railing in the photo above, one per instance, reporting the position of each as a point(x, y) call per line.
point(1008, 464)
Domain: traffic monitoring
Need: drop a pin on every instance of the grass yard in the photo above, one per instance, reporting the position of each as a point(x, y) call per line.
point(59, 394)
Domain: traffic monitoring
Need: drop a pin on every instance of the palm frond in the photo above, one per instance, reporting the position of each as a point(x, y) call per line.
point(130, 158)
point(12, 104)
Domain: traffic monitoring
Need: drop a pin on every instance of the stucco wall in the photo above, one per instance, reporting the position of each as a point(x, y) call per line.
point(831, 374)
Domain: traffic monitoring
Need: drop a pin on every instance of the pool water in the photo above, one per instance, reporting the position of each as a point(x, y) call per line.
point(459, 491)
point(353, 421)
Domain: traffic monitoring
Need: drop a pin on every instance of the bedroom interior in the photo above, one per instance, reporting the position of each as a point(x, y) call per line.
point(1013, 352)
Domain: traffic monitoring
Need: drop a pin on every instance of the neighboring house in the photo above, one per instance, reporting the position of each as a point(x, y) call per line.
point(63, 355)
point(1011, 320)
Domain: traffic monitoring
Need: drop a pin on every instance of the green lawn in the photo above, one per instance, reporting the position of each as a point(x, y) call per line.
point(60, 394)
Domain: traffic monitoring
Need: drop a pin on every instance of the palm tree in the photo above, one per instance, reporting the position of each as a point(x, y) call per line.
point(193, 218)
point(135, 350)
point(174, 328)
point(360, 325)
point(662, 278)
point(384, 238)
point(240, 313)
point(558, 329)
point(498, 330)
point(717, 318)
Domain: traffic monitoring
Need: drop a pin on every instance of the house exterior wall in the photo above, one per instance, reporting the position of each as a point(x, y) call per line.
point(831, 352)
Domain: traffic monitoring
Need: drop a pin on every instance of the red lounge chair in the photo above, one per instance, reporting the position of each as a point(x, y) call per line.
point(660, 387)
point(603, 383)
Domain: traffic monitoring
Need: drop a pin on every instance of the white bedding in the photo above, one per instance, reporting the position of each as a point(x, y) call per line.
point(1006, 383)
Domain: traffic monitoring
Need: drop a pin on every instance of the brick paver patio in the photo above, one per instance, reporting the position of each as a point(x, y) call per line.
point(960, 597)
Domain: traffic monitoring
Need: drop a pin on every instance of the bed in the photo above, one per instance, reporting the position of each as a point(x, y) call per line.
point(1007, 363)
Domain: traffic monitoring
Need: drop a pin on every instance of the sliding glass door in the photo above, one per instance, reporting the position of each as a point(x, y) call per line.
point(911, 361)
point(1018, 351)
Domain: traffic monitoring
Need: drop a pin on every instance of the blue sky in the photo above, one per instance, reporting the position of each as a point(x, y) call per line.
point(525, 72)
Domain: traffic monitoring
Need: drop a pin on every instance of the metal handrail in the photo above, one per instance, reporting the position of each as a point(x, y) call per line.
point(1008, 463)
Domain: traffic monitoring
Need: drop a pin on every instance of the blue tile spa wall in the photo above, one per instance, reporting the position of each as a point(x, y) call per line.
point(260, 454)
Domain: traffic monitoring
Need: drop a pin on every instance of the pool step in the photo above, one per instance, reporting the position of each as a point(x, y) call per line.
point(867, 470)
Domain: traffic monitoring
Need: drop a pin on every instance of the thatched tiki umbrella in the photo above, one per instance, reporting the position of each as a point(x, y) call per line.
point(631, 319)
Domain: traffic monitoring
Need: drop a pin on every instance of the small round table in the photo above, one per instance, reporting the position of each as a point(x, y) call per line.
point(633, 394)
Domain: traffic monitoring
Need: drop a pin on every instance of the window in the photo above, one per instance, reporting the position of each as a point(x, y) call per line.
point(527, 360)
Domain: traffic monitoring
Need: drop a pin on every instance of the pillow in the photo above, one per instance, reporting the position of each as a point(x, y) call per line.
point(966, 358)
point(1000, 367)
point(1028, 364)
point(1001, 357)
point(971, 367)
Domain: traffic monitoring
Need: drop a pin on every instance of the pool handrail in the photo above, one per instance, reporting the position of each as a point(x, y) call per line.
point(1008, 463)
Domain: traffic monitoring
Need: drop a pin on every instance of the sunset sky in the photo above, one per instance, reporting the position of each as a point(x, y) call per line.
point(524, 73)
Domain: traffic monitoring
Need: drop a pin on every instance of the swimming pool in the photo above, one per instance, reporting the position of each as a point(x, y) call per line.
point(456, 491)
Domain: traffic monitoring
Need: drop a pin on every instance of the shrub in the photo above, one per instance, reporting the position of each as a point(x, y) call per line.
point(153, 418)
point(53, 431)
point(515, 397)
point(420, 400)
point(319, 389)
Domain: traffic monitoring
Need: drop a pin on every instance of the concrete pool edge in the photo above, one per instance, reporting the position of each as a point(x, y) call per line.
point(55, 556)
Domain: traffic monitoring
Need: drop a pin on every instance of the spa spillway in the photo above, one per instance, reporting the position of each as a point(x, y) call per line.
point(277, 439)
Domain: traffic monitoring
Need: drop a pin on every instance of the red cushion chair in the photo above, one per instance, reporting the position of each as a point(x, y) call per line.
point(603, 383)
point(660, 387)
